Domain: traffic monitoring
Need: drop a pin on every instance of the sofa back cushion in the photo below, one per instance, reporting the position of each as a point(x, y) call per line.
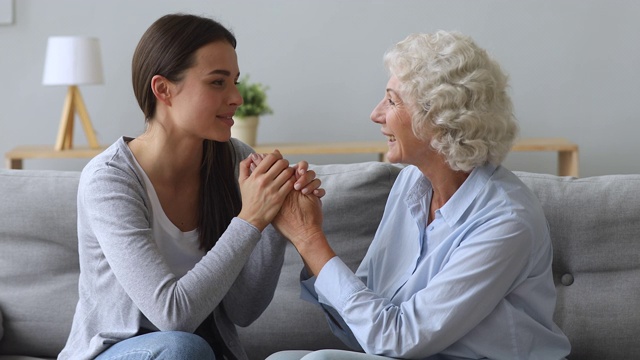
point(594, 222)
point(595, 229)
point(1, 326)
point(352, 208)
point(39, 260)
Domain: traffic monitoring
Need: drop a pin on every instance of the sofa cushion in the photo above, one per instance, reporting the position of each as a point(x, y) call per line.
point(595, 229)
point(39, 260)
point(353, 206)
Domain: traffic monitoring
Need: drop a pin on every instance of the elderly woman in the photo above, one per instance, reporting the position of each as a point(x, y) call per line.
point(460, 266)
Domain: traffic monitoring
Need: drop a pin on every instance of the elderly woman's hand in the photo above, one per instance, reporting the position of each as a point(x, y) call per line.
point(299, 217)
point(300, 221)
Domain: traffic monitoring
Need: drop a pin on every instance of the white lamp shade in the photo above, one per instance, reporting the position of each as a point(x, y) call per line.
point(72, 60)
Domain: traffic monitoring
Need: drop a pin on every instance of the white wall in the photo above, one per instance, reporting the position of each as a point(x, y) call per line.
point(574, 67)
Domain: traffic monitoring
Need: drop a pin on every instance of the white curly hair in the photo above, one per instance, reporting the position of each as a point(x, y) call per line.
point(457, 95)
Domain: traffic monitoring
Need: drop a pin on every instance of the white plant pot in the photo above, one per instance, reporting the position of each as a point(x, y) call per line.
point(245, 129)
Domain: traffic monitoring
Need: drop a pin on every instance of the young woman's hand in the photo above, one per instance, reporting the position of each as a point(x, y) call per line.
point(306, 180)
point(264, 188)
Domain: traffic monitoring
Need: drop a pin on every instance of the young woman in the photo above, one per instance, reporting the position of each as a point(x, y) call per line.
point(173, 228)
point(460, 266)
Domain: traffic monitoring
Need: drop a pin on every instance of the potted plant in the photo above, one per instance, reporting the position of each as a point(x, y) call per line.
point(254, 96)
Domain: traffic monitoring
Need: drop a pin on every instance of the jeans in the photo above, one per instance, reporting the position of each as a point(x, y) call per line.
point(160, 345)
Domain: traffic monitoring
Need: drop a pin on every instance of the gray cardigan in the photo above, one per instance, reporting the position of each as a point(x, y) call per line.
point(123, 277)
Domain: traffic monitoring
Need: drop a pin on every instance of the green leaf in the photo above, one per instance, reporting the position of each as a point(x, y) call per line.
point(254, 97)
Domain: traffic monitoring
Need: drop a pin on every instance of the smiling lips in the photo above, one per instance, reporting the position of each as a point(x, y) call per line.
point(227, 119)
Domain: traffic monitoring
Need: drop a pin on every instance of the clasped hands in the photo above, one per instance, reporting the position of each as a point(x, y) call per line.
point(286, 196)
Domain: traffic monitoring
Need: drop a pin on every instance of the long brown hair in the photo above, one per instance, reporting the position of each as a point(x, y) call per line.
point(168, 48)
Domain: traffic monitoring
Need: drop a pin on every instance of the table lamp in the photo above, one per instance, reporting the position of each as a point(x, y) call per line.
point(73, 61)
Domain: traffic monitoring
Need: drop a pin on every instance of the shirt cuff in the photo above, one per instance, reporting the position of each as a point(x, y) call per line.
point(336, 284)
point(307, 287)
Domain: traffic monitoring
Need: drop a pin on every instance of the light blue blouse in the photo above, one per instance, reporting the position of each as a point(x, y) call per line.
point(475, 283)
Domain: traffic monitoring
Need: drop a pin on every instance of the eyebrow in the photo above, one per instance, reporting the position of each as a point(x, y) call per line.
point(222, 72)
point(389, 90)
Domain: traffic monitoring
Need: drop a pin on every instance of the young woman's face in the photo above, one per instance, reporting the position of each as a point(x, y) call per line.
point(207, 97)
point(393, 115)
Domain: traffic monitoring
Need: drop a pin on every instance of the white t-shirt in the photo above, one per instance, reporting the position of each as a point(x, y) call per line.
point(180, 249)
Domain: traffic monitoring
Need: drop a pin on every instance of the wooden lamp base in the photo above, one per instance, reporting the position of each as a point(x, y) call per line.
point(73, 103)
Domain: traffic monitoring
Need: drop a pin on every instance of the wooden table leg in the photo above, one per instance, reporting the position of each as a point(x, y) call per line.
point(14, 163)
point(568, 163)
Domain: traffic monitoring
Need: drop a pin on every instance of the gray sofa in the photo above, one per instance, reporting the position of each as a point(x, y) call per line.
point(595, 225)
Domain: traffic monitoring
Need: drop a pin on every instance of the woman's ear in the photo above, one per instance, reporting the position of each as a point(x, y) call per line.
point(161, 88)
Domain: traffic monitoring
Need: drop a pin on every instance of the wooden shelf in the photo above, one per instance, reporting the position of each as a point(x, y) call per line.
point(568, 162)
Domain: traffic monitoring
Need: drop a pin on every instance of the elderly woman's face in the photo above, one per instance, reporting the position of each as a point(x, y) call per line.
point(394, 117)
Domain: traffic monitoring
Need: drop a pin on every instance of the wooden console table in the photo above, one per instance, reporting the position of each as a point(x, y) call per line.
point(568, 160)
point(567, 151)
point(15, 157)
point(363, 147)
